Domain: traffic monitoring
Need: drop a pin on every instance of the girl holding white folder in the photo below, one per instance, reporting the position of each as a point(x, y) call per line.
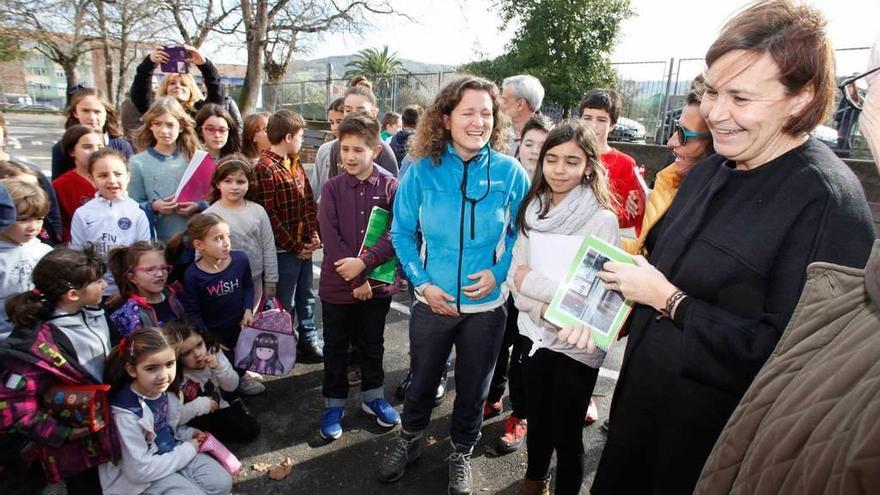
point(570, 198)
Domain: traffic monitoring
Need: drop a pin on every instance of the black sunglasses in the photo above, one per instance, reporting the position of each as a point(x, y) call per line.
point(855, 96)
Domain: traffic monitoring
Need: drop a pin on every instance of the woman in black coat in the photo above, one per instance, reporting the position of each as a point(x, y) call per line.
point(728, 261)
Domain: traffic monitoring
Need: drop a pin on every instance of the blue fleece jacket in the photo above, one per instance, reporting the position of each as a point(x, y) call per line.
point(463, 234)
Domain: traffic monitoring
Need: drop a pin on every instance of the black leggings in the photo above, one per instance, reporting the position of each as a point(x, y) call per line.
point(558, 390)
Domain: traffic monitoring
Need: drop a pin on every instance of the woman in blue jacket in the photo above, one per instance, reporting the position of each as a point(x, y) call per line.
point(463, 195)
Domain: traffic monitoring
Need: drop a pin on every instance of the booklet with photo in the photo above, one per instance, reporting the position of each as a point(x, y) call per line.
point(582, 297)
point(176, 63)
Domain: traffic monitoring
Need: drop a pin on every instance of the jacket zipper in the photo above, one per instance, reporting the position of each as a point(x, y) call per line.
point(464, 184)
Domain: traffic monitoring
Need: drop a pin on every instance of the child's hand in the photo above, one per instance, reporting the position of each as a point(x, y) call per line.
point(306, 253)
point(269, 292)
point(212, 361)
point(187, 208)
point(248, 319)
point(350, 268)
point(316, 242)
point(214, 406)
point(165, 206)
point(363, 292)
point(579, 336)
point(77, 433)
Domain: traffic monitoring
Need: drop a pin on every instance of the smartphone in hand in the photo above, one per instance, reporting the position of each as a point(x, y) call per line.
point(176, 63)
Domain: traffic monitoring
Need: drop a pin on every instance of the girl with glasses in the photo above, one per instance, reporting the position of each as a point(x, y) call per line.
point(144, 299)
point(218, 131)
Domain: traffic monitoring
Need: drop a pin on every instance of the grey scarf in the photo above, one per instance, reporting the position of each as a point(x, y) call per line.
point(567, 217)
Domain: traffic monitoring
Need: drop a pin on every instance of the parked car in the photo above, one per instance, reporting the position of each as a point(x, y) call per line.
point(40, 106)
point(627, 130)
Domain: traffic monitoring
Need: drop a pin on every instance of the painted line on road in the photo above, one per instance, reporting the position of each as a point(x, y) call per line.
point(36, 143)
point(612, 374)
point(394, 304)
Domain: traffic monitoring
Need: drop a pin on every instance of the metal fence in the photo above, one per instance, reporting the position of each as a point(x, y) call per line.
point(652, 89)
point(393, 93)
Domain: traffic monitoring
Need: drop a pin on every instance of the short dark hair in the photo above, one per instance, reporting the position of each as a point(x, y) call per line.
point(602, 99)
point(282, 123)
point(390, 118)
point(361, 125)
point(537, 121)
point(794, 36)
point(411, 115)
point(362, 91)
point(72, 136)
point(337, 105)
point(104, 153)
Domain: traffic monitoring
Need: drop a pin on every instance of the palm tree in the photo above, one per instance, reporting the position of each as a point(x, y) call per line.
point(373, 63)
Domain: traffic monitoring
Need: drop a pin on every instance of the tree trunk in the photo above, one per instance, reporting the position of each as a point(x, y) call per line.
point(105, 45)
point(69, 66)
point(255, 39)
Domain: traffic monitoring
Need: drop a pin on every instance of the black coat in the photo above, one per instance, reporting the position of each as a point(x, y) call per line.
point(738, 243)
point(142, 86)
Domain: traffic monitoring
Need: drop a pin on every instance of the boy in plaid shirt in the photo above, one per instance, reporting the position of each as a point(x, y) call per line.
point(283, 189)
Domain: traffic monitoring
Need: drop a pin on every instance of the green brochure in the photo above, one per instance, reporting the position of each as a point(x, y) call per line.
point(379, 223)
point(582, 297)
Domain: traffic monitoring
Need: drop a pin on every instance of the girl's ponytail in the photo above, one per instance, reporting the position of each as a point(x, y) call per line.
point(56, 273)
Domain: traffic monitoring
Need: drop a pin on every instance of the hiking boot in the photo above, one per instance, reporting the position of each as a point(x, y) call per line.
point(535, 487)
point(592, 413)
point(385, 414)
point(331, 423)
point(402, 451)
point(491, 409)
point(308, 350)
point(460, 470)
point(249, 386)
point(514, 435)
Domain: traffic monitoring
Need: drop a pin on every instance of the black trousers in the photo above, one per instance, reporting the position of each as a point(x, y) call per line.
point(508, 367)
point(360, 325)
point(233, 423)
point(558, 389)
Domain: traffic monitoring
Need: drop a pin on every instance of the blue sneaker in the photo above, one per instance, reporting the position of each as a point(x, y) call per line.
point(331, 423)
point(385, 414)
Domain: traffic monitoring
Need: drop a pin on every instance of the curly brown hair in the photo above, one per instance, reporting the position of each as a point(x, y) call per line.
point(431, 134)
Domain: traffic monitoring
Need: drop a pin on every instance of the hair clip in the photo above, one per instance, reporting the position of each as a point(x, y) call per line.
point(121, 347)
point(36, 292)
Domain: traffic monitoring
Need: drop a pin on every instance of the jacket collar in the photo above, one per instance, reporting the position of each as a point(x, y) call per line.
point(478, 157)
point(872, 275)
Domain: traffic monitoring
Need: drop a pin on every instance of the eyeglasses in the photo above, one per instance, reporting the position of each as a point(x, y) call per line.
point(855, 95)
point(215, 130)
point(684, 134)
point(154, 269)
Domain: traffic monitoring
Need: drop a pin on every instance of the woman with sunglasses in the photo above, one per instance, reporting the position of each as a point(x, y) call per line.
point(690, 142)
point(731, 253)
point(462, 194)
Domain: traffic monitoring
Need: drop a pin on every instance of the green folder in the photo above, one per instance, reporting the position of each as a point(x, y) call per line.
point(379, 223)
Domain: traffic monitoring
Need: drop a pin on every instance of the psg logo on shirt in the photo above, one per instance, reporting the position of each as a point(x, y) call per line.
point(124, 223)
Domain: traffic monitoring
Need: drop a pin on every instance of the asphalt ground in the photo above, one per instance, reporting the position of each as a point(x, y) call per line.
point(290, 410)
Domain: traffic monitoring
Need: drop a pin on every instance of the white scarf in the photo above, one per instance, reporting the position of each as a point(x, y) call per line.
point(566, 218)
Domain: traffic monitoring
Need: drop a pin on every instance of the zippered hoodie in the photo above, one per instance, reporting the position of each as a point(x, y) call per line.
point(141, 464)
point(89, 335)
point(17, 262)
point(107, 224)
point(466, 212)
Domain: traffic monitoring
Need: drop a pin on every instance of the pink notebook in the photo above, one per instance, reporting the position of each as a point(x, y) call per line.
point(196, 181)
point(217, 450)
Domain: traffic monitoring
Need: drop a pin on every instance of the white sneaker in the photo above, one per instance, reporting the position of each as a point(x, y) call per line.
point(249, 386)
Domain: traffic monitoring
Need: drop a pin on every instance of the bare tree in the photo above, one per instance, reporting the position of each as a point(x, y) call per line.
point(196, 19)
point(59, 27)
point(134, 24)
point(273, 30)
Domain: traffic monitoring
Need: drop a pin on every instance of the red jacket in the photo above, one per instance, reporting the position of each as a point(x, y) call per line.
point(622, 180)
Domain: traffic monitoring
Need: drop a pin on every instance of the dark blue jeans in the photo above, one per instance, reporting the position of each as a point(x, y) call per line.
point(294, 289)
point(477, 338)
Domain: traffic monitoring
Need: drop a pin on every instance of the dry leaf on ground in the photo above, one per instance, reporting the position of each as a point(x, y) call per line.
point(281, 470)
